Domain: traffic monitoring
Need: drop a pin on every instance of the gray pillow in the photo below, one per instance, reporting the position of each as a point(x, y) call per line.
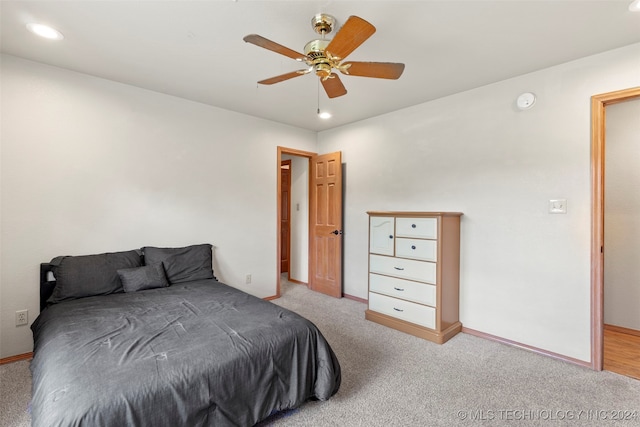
point(141, 278)
point(89, 275)
point(182, 264)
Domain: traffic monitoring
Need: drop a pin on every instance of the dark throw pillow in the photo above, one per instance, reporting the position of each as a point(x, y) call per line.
point(141, 278)
point(182, 264)
point(89, 275)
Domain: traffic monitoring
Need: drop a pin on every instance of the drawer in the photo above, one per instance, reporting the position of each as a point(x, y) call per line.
point(394, 287)
point(422, 271)
point(422, 228)
point(405, 310)
point(426, 250)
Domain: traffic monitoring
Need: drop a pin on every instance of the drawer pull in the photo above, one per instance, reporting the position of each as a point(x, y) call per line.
point(413, 226)
point(398, 289)
point(397, 309)
point(413, 247)
point(390, 236)
point(399, 268)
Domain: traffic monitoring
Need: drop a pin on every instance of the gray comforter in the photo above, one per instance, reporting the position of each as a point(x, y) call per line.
point(195, 354)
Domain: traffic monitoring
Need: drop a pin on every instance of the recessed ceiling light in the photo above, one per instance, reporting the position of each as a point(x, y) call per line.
point(324, 115)
point(635, 6)
point(45, 31)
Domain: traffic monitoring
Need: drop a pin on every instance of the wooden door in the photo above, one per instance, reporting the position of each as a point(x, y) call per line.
point(325, 241)
point(285, 224)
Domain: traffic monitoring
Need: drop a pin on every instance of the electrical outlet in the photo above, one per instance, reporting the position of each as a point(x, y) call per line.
point(248, 279)
point(22, 317)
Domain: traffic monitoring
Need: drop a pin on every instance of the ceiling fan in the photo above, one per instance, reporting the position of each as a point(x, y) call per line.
point(323, 56)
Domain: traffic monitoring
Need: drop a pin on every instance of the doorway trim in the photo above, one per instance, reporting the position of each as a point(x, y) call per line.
point(293, 152)
point(598, 128)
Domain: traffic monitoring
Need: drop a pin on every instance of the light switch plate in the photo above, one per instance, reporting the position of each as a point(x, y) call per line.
point(558, 206)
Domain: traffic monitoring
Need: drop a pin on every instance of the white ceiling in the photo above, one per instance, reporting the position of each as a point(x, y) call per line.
point(194, 49)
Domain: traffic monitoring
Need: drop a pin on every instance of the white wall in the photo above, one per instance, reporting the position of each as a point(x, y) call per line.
point(90, 166)
point(622, 216)
point(299, 262)
point(525, 273)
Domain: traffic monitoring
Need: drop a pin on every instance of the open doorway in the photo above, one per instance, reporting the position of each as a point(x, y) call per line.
point(294, 218)
point(298, 215)
point(622, 239)
point(599, 104)
point(285, 217)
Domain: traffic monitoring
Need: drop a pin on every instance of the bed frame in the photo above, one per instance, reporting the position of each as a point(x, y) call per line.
point(46, 285)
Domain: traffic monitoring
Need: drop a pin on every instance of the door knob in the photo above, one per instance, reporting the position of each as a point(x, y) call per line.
point(336, 232)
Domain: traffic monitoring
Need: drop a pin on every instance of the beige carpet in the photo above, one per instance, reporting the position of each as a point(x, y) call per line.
point(15, 394)
point(394, 379)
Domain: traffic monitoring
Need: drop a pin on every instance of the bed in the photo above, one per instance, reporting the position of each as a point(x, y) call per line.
point(151, 338)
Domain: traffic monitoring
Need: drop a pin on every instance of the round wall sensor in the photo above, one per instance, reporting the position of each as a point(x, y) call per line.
point(526, 100)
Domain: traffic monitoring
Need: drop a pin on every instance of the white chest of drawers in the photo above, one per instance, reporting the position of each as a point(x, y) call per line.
point(414, 271)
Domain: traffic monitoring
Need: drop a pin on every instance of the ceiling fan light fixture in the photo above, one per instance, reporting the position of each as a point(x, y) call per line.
point(323, 70)
point(45, 31)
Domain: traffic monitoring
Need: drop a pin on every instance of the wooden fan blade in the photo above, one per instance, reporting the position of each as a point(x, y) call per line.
point(379, 70)
point(333, 86)
point(283, 77)
point(352, 34)
point(273, 46)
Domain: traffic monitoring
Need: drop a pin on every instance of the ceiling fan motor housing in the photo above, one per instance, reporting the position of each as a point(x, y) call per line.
point(315, 50)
